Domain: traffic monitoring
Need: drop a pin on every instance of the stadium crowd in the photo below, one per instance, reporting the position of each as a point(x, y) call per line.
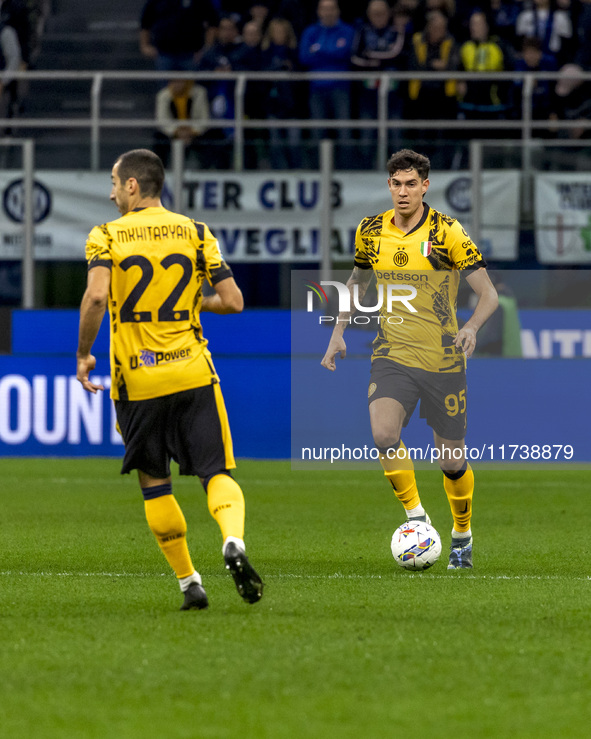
point(21, 28)
point(406, 35)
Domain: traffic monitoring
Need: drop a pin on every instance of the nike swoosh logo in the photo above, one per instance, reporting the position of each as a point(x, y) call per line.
point(465, 508)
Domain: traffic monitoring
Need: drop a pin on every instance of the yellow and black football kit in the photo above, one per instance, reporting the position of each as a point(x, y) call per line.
point(159, 261)
point(417, 277)
point(419, 270)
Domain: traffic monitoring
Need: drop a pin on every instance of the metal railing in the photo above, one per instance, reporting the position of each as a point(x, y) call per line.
point(96, 122)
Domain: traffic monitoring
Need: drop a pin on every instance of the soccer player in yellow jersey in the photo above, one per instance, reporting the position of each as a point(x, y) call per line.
point(416, 254)
point(149, 267)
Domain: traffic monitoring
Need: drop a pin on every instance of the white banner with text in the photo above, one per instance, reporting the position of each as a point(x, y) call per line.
point(271, 217)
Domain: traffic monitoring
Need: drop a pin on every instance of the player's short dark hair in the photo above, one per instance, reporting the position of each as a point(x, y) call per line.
point(408, 159)
point(146, 167)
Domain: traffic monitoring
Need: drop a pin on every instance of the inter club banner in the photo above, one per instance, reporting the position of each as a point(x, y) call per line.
point(272, 217)
point(563, 218)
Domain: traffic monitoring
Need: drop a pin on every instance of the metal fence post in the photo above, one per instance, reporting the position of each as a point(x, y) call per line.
point(178, 171)
point(476, 172)
point(526, 115)
point(95, 117)
point(383, 91)
point(238, 118)
point(28, 290)
point(326, 170)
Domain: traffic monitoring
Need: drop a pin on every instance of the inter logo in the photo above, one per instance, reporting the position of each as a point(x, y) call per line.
point(372, 388)
point(400, 259)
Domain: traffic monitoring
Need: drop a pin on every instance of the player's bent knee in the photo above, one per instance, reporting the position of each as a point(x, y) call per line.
point(454, 470)
point(385, 441)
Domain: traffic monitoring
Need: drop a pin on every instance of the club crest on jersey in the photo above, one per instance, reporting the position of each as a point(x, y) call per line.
point(400, 259)
point(426, 248)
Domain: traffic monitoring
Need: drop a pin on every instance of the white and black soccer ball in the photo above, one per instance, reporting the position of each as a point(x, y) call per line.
point(416, 545)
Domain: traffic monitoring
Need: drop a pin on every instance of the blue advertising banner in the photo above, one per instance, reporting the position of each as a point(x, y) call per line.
point(45, 412)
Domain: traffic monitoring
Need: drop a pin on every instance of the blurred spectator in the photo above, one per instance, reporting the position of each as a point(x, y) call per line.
point(219, 57)
point(15, 13)
point(481, 99)
point(326, 47)
point(174, 32)
point(379, 46)
point(449, 10)
point(533, 59)
point(502, 15)
point(248, 57)
point(259, 12)
point(180, 109)
point(553, 27)
point(10, 62)
point(583, 53)
point(433, 50)
point(573, 96)
point(280, 55)
point(38, 12)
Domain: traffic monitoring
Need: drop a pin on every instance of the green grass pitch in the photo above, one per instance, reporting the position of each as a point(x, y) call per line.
point(343, 644)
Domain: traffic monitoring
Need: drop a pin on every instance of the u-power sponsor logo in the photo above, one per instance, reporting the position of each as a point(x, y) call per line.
point(147, 358)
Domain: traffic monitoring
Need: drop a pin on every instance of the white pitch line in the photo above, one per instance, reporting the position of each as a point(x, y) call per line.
point(293, 576)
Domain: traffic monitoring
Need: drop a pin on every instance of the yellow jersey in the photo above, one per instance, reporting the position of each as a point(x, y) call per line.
point(158, 261)
point(417, 277)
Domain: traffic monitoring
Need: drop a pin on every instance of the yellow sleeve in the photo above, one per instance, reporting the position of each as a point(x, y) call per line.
point(98, 247)
point(209, 256)
point(367, 239)
point(463, 252)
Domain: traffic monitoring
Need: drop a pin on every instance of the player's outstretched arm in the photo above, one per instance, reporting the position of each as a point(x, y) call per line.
point(227, 299)
point(92, 310)
point(336, 345)
point(488, 301)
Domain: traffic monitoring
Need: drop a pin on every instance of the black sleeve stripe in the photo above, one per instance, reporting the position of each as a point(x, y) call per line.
point(478, 265)
point(108, 263)
point(362, 265)
point(200, 228)
point(222, 273)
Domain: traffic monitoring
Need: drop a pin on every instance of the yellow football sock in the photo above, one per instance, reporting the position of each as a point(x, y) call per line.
point(226, 504)
point(167, 522)
point(459, 493)
point(400, 472)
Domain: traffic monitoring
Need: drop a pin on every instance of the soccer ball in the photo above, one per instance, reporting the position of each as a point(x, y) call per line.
point(416, 545)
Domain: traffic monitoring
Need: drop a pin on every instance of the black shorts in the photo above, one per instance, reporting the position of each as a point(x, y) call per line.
point(190, 427)
point(442, 395)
